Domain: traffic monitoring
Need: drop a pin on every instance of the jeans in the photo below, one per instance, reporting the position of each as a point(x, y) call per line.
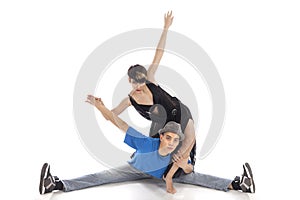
point(116, 175)
point(204, 180)
point(129, 173)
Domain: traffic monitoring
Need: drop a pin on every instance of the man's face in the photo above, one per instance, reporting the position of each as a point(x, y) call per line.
point(168, 142)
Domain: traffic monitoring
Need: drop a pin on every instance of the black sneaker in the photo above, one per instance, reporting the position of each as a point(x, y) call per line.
point(47, 181)
point(247, 182)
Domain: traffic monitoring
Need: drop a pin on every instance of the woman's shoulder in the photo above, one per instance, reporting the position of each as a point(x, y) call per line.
point(152, 86)
point(151, 83)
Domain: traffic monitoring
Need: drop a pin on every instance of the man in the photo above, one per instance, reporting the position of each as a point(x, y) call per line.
point(150, 161)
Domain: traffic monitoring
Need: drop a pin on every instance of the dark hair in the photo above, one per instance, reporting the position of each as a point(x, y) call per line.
point(138, 73)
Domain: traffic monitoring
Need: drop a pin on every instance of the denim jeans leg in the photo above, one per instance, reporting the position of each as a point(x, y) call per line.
point(204, 180)
point(116, 175)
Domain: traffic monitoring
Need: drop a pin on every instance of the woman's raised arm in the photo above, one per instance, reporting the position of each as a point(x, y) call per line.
point(160, 48)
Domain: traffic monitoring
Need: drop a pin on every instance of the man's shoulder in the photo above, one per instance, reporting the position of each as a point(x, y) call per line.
point(133, 132)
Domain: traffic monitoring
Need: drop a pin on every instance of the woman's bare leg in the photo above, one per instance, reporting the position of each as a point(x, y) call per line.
point(184, 152)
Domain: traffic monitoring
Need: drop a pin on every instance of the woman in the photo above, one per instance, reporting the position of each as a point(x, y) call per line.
point(155, 104)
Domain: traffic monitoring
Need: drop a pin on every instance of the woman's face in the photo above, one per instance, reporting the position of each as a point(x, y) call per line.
point(138, 87)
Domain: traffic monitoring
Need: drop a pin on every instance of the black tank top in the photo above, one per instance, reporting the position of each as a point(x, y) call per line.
point(161, 97)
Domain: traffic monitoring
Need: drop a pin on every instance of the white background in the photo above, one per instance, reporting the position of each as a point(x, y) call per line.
point(255, 46)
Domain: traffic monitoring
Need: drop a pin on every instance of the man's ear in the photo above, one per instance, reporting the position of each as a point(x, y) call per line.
point(161, 136)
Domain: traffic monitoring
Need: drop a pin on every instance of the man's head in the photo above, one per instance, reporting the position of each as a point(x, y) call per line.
point(170, 136)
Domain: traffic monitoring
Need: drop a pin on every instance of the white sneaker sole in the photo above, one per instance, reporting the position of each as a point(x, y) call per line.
point(44, 172)
point(250, 175)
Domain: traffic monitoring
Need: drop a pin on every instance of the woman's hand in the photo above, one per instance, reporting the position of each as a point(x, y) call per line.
point(168, 20)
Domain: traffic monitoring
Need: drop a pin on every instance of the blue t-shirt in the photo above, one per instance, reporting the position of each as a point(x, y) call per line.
point(146, 157)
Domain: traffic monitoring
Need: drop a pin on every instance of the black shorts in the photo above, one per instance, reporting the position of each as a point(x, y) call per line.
point(185, 116)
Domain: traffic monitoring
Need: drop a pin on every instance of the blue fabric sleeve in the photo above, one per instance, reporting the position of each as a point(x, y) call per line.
point(135, 139)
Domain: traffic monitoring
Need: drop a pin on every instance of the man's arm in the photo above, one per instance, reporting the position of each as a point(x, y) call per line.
point(183, 164)
point(160, 48)
point(107, 114)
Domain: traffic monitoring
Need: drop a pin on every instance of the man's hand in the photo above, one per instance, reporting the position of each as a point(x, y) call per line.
point(95, 101)
point(182, 162)
point(107, 114)
point(98, 103)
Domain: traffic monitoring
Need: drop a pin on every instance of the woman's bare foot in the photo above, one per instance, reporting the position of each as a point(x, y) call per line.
point(169, 185)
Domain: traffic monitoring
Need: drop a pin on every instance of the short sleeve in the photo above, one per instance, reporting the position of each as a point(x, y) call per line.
point(135, 139)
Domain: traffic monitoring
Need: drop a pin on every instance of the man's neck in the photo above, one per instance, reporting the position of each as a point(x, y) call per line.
point(162, 153)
